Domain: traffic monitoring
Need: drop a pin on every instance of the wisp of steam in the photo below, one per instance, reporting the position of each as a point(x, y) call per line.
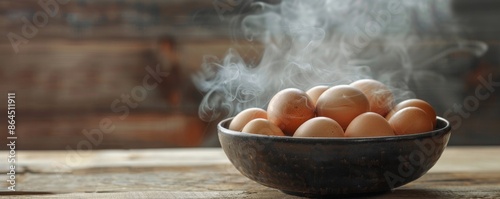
point(309, 43)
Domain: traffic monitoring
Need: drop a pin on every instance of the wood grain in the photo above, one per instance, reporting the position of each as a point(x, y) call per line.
point(462, 172)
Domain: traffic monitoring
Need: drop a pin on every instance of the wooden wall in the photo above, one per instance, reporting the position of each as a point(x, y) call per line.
point(92, 52)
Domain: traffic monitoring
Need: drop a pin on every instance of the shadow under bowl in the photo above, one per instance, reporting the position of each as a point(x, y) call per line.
point(334, 166)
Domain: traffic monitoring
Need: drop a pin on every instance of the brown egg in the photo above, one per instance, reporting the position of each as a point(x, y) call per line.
point(410, 120)
point(262, 127)
point(380, 97)
point(415, 103)
point(245, 116)
point(342, 103)
point(289, 108)
point(315, 92)
point(369, 124)
point(319, 127)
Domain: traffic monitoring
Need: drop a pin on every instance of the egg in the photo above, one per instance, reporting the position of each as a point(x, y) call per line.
point(379, 96)
point(319, 127)
point(415, 103)
point(369, 124)
point(289, 109)
point(262, 127)
point(315, 92)
point(410, 120)
point(245, 116)
point(342, 103)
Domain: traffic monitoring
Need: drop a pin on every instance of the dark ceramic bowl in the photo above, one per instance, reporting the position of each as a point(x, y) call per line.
point(334, 166)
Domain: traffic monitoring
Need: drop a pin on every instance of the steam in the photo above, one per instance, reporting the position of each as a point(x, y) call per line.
point(310, 43)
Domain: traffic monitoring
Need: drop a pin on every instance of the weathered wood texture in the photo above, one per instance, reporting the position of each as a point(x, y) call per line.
point(462, 172)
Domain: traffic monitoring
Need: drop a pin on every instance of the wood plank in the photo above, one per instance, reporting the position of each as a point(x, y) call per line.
point(67, 161)
point(457, 159)
point(462, 172)
point(453, 159)
point(165, 194)
point(230, 184)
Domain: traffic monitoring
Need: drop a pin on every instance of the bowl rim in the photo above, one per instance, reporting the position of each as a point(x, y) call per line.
point(436, 132)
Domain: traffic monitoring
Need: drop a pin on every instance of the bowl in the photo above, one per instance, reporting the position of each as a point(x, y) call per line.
point(334, 166)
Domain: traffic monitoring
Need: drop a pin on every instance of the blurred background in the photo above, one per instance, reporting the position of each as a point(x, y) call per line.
point(76, 63)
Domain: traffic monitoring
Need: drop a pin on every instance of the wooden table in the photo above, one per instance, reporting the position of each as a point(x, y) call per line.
point(462, 172)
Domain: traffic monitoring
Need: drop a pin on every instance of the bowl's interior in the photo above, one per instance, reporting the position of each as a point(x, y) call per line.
point(323, 166)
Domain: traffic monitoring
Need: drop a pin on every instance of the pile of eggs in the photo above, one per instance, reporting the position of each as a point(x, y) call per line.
point(364, 108)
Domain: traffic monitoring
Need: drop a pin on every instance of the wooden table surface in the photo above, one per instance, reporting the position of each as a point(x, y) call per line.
point(462, 172)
